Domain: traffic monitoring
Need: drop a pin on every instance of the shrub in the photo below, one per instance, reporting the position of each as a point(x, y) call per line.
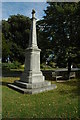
point(52, 64)
point(14, 65)
point(45, 67)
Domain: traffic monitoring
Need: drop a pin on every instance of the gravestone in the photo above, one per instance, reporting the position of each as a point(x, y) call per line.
point(32, 80)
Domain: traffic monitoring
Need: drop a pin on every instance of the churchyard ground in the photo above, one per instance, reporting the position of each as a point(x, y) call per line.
point(62, 102)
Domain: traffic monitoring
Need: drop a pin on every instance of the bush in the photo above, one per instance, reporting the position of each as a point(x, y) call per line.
point(45, 67)
point(14, 65)
point(52, 64)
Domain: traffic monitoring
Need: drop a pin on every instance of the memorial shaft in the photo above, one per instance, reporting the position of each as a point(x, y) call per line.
point(32, 80)
point(33, 38)
point(32, 57)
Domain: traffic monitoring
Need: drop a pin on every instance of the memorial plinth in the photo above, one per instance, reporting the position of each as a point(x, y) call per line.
point(32, 80)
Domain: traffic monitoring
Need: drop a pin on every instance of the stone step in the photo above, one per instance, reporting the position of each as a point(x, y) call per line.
point(31, 85)
point(32, 91)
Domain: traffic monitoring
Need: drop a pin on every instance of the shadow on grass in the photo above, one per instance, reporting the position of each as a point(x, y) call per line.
point(71, 82)
point(74, 90)
point(4, 83)
point(72, 93)
point(9, 73)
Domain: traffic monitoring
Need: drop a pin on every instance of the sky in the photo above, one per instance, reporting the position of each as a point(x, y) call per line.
point(23, 0)
point(24, 8)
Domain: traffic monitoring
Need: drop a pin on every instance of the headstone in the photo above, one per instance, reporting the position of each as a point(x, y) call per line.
point(32, 80)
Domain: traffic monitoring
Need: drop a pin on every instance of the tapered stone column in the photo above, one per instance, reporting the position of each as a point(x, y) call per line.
point(32, 73)
point(32, 80)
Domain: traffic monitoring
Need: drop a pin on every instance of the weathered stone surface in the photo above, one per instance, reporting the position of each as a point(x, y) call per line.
point(32, 80)
point(32, 85)
point(32, 91)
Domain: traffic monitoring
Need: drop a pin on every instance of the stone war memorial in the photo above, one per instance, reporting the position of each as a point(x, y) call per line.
point(32, 80)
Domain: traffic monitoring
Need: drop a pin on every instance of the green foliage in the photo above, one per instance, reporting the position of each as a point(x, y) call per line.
point(16, 64)
point(0, 40)
point(61, 31)
point(15, 37)
point(5, 48)
point(8, 66)
point(52, 64)
point(45, 67)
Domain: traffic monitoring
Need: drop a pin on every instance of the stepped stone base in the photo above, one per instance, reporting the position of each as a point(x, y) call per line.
point(32, 88)
point(32, 77)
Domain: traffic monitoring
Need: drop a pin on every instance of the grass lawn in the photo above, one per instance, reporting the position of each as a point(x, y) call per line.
point(62, 102)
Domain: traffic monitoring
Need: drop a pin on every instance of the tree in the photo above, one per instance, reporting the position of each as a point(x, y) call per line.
point(62, 31)
point(16, 32)
point(5, 49)
point(0, 41)
point(43, 41)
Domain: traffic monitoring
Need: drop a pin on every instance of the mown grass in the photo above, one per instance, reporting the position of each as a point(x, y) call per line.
point(62, 102)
